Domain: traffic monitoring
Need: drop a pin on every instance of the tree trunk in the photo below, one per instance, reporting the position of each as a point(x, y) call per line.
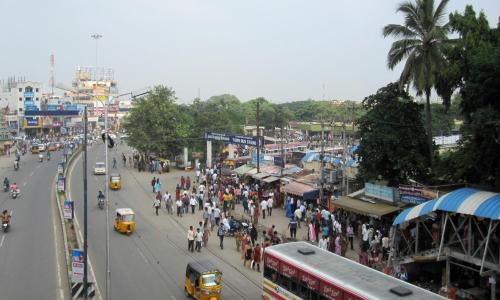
point(428, 123)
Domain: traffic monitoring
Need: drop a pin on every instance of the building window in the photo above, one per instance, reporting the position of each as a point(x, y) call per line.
point(20, 89)
point(20, 98)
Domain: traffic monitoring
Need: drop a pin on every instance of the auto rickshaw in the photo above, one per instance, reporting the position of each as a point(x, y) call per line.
point(115, 181)
point(203, 281)
point(125, 220)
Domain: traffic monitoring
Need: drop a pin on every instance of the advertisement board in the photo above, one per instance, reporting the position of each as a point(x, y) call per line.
point(32, 122)
point(233, 139)
point(76, 265)
point(379, 192)
point(68, 209)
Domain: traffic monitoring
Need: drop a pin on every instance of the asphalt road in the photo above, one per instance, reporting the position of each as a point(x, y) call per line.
point(28, 263)
point(149, 264)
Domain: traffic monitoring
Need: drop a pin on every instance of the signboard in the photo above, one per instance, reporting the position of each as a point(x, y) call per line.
point(379, 192)
point(254, 158)
point(68, 209)
point(278, 161)
point(60, 184)
point(60, 168)
point(233, 139)
point(32, 122)
point(76, 265)
point(414, 194)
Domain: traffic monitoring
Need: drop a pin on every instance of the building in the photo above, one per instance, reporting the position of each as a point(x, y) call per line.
point(89, 82)
point(18, 96)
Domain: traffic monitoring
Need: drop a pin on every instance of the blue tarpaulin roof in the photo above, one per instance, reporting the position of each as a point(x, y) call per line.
point(465, 201)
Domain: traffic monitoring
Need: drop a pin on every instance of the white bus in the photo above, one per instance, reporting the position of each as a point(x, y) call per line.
point(300, 270)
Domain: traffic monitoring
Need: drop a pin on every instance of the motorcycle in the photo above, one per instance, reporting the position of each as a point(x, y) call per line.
point(5, 226)
point(100, 203)
point(15, 193)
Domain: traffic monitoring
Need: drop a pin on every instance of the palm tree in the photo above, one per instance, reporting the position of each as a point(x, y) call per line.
point(422, 38)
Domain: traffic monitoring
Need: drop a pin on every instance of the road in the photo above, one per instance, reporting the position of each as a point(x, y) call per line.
point(28, 262)
point(149, 264)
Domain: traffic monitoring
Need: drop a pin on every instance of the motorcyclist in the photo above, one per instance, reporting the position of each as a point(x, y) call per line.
point(5, 217)
point(100, 196)
point(13, 187)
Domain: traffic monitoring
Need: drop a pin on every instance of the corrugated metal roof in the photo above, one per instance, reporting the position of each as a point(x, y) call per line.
point(465, 201)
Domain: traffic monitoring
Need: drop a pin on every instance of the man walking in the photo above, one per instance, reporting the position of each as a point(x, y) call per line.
point(190, 237)
point(156, 203)
point(199, 239)
point(220, 233)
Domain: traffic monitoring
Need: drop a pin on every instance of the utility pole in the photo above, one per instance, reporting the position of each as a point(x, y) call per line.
point(85, 256)
point(322, 158)
point(258, 137)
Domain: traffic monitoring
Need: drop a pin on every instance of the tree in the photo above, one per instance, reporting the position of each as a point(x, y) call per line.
point(393, 140)
point(423, 37)
point(155, 124)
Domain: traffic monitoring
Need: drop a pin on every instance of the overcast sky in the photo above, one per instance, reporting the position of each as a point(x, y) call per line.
point(283, 50)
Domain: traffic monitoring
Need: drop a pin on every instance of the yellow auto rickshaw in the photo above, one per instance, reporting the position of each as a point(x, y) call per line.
point(125, 220)
point(115, 181)
point(203, 281)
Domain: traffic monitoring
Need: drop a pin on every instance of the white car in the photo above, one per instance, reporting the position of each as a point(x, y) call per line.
point(100, 168)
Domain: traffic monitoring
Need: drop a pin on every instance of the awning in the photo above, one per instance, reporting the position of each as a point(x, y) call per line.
point(361, 207)
point(260, 176)
point(270, 179)
point(297, 188)
point(415, 212)
point(251, 172)
point(243, 169)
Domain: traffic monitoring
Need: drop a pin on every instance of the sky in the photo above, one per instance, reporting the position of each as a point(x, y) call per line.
point(283, 50)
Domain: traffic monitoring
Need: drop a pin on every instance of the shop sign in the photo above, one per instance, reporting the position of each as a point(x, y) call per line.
point(379, 192)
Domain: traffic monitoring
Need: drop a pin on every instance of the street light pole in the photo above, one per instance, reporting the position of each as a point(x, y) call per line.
point(85, 255)
point(96, 37)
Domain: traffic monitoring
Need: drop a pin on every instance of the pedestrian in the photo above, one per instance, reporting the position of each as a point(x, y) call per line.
point(253, 234)
point(247, 253)
point(237, 239)
point(156, 204)
point(190, 237)
point(350, 235)
point(183, 182)
point(263, 206)
point(323, 243)
point(220, 233)
point(257, 257)
point(206, 233)
point(199, 239)
point(114, 162)
point(153, 182)
point(311, 233)
point(292, 225)
point(270, 203)
point(192, 202)
point(178, 203)
point(217, 215)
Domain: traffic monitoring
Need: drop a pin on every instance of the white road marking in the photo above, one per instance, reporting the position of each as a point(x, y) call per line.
point(1, 242)
point(58, 263)
point(143, 256)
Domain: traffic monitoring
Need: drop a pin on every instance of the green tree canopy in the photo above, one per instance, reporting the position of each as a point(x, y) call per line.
point(393, 140)
point(155, 124)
